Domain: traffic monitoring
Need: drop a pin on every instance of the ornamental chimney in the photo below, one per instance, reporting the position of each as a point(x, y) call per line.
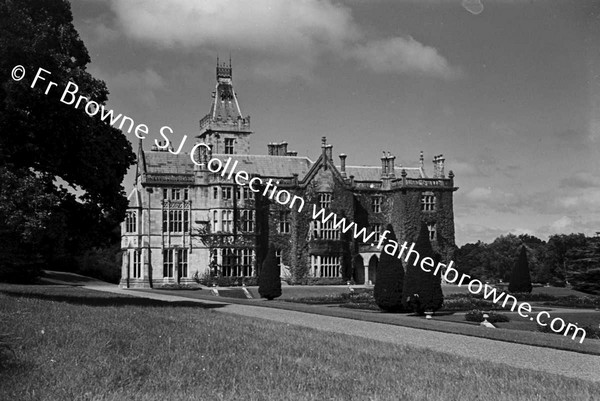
point(391, 172)
point(343, 164)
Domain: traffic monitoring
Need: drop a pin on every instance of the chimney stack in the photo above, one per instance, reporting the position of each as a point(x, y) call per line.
point(329, 151)
point(392, 171)
point(343, 164)
point(384, 168)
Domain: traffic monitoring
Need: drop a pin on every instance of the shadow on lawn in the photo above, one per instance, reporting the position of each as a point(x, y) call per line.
point(117, 301)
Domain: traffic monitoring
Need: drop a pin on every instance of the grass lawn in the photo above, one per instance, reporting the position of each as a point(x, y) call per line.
point(76, 344)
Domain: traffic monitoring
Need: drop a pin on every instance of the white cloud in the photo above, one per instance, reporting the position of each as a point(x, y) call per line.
point(571, 225)
point(587, 200)
point(480, 194)
point(404, 55)
point(561, 224)
point(288, 35)
point(283, 26)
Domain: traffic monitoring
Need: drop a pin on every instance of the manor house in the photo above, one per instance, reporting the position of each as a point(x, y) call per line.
point(184, 221)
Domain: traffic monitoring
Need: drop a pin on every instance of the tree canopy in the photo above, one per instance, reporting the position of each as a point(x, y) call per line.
point(556, 262)
point(64, 166)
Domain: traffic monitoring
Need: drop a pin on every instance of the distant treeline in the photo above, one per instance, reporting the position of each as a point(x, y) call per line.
point(572, 259)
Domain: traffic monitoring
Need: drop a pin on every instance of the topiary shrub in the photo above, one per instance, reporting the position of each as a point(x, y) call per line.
point(422, 290)
point(493, 317)
point(269, 280)
point(520, 279)
point(390, 278)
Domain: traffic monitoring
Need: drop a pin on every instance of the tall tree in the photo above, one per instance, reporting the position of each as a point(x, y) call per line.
point(46, 144)
point(390, 277)
point(422, 290)
point(520, 279)
point(269, 278)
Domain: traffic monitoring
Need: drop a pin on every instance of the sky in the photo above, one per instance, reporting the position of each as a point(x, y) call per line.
point(507, 90)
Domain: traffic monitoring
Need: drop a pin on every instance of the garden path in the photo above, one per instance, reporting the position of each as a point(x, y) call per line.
point(564, 363)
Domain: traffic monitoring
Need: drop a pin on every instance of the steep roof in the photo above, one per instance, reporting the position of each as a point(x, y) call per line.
point(271, 166)
point(264, 165)
point(168, 163)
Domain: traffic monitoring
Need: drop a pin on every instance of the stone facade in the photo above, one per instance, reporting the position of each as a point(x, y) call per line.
point(185, 221)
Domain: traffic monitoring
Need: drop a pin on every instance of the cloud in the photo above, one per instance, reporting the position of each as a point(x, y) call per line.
point(503, 129)
point(581, 201)
point(463, 168)
point(103, 33)
point(581, 179)
point(404, 55)
point(470, 233)
point(143, 84)
point(480, 194)
point(570, 225)
point(491, 199)
point(283, 26)
point(290, 36)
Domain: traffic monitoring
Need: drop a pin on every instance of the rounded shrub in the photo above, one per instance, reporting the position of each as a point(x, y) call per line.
point(493, 317)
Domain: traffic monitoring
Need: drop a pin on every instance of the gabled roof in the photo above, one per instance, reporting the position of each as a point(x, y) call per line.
point(134, 199)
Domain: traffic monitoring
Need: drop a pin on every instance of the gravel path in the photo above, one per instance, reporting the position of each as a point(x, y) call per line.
point(565, 363)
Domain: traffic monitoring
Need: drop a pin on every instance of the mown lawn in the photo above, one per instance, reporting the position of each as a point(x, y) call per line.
point(76, 344)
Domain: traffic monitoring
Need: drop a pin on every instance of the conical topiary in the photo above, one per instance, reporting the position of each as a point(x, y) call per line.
point(390, 277)
point(422, 290)
point(520, 279)
point(269, 279)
